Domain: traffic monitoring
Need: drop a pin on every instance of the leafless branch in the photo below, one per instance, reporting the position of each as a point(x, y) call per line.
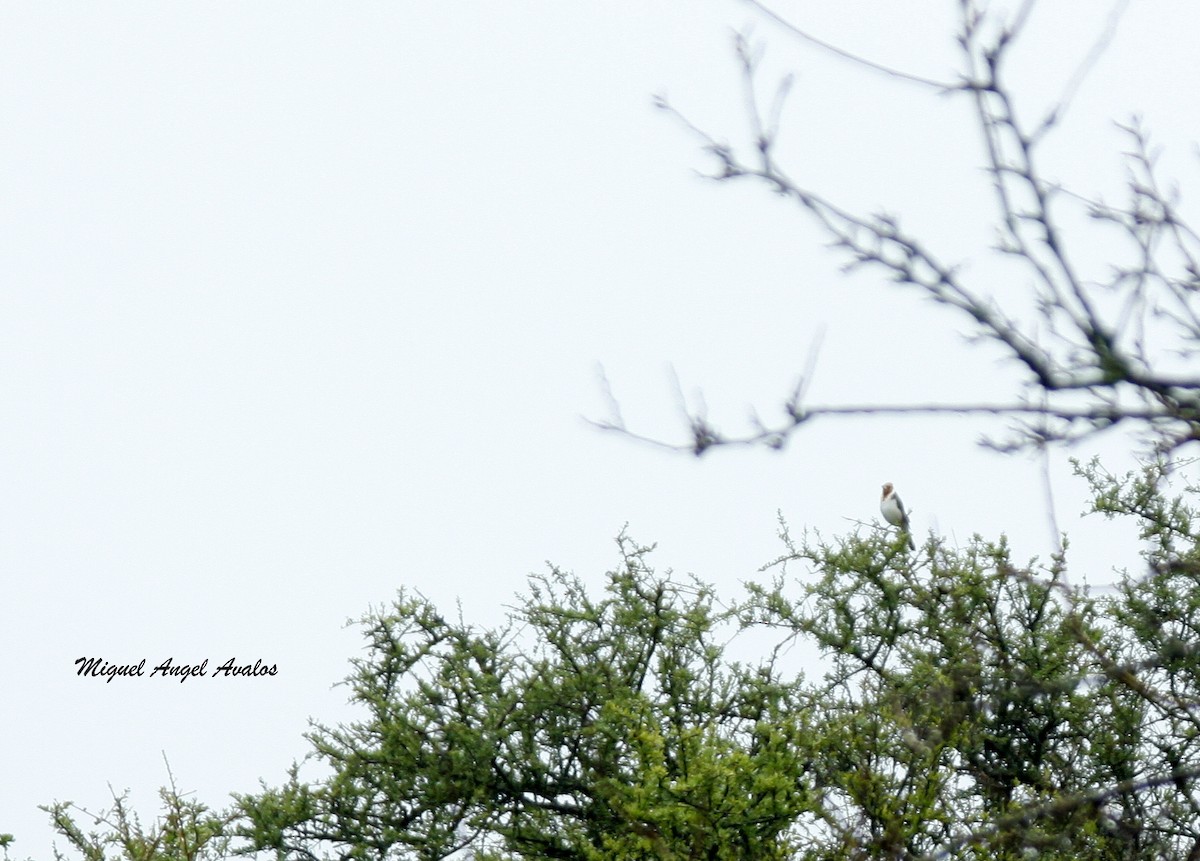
point(842, 53)
point(705, 435)
point(1099, 344)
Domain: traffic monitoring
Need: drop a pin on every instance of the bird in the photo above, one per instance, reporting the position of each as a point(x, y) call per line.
point(894, 513)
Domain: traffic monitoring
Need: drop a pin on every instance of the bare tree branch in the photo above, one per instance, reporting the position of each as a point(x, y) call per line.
point(1095, 354)
point(842, 53)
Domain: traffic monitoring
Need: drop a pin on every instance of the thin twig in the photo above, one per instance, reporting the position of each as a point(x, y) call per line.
point(940, 86)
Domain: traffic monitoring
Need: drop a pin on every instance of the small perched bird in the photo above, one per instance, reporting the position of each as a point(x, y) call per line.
point(894, 513)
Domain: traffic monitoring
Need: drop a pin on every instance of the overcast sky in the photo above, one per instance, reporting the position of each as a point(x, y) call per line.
point(303, 303)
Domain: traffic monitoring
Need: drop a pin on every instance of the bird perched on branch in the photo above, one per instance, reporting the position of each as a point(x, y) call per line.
point(894, 513)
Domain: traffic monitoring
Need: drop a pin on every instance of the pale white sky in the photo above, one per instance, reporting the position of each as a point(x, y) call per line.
point(304, 303)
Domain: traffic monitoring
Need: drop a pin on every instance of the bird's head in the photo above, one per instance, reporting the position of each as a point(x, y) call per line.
point(887, 489)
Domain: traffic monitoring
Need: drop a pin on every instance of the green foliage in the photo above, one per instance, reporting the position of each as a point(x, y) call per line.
point(610, 727)
point(957, 703)
point(185, 830)
point(972, 707)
